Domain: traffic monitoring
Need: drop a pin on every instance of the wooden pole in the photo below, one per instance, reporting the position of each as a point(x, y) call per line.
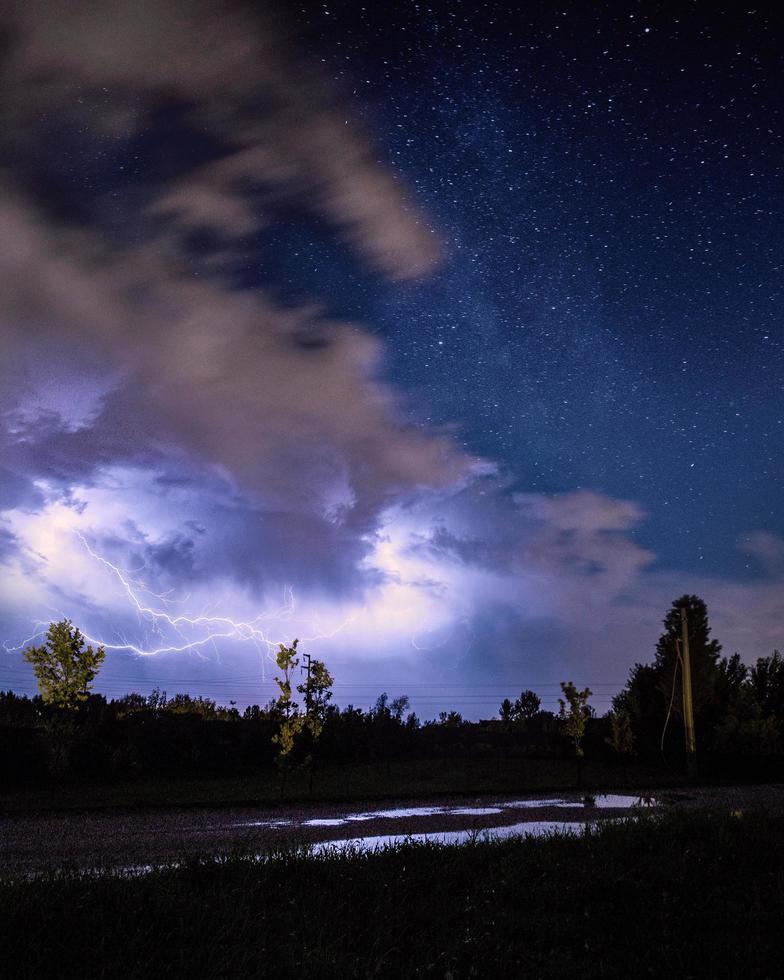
point(688, 704)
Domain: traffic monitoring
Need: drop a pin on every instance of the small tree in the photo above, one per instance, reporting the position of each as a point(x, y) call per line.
point(506, 713)
point(64, 667)
point(387, 719)
point(317, 690)
point(287, 660)
point(574, 718)
point(527, 706)
point(398, 706)
point(293, 724)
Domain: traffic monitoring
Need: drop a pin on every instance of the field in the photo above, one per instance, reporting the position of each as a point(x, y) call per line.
point(401, 779)
point(694, 890)
point(686, 894)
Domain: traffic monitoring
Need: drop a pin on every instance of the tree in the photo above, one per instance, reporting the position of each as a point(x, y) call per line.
point(317, 690)
point(574, 718)
point(767, 684)
point(298, 729)
point(506, 712)
point(704, 654)
point(573, 714)
point(527, 706)
point(652, 688)
point(291, 722)
point(64, 667)
point(398, 706)
point(287, 660)
point(621, 738)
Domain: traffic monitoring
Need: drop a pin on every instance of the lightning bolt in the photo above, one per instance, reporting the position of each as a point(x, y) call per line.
point(154, 609)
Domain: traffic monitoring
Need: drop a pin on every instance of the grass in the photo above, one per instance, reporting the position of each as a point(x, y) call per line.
point(683, 895)
point(339, 784)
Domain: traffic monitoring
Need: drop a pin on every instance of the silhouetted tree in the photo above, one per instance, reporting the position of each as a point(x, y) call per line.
point(720, 687)
point(506, 712)
point(398, 706)
point(704, 654)
point(621, 738)
point(527, 706)
point(317, 691)
point(573, 715)
point(766, 680)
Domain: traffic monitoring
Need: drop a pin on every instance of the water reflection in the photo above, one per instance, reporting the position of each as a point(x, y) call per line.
point(265, 823)
point(529, 828)
point(603, 801)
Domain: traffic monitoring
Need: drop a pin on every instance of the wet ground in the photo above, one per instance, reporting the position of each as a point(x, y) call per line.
point(92, 840)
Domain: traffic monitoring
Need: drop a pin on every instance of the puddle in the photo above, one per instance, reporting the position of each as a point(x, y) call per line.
point(525, 828)
point(532, 828)
point(447, 838)
point(400, 813)
point(603, 801)
point(411, 811)
point(263, 823)
point(609, 800)
point(475, 811)
point(537, 804)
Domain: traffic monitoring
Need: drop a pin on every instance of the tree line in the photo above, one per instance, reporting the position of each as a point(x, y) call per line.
point(67, 730)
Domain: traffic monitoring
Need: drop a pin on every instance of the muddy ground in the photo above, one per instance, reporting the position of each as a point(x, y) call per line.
point(112, 838)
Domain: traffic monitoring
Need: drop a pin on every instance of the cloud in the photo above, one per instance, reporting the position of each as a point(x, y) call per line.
point(555, 585)
point(767, 549)
point(149, 409)
point(224, 372)
point(233, 71)
point(284, 401)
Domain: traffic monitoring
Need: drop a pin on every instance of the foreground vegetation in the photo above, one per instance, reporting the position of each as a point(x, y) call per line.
point(686, 895)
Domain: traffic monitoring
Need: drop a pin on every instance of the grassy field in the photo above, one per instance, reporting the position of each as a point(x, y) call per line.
point(341, 784)
point(684, 895)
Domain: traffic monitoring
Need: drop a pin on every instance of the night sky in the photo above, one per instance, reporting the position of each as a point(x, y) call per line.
point(447, 338)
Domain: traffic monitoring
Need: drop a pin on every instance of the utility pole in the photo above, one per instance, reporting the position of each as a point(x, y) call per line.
point(306, 656)
point(688, 704)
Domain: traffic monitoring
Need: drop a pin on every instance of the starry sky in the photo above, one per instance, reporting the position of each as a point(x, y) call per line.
point(447, 338)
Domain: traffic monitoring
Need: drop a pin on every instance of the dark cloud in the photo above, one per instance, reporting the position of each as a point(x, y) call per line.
point(260, 551)
point(46, 447)
point(232, 64)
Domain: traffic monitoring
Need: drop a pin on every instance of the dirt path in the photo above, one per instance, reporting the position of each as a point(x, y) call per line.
point(142, 837)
